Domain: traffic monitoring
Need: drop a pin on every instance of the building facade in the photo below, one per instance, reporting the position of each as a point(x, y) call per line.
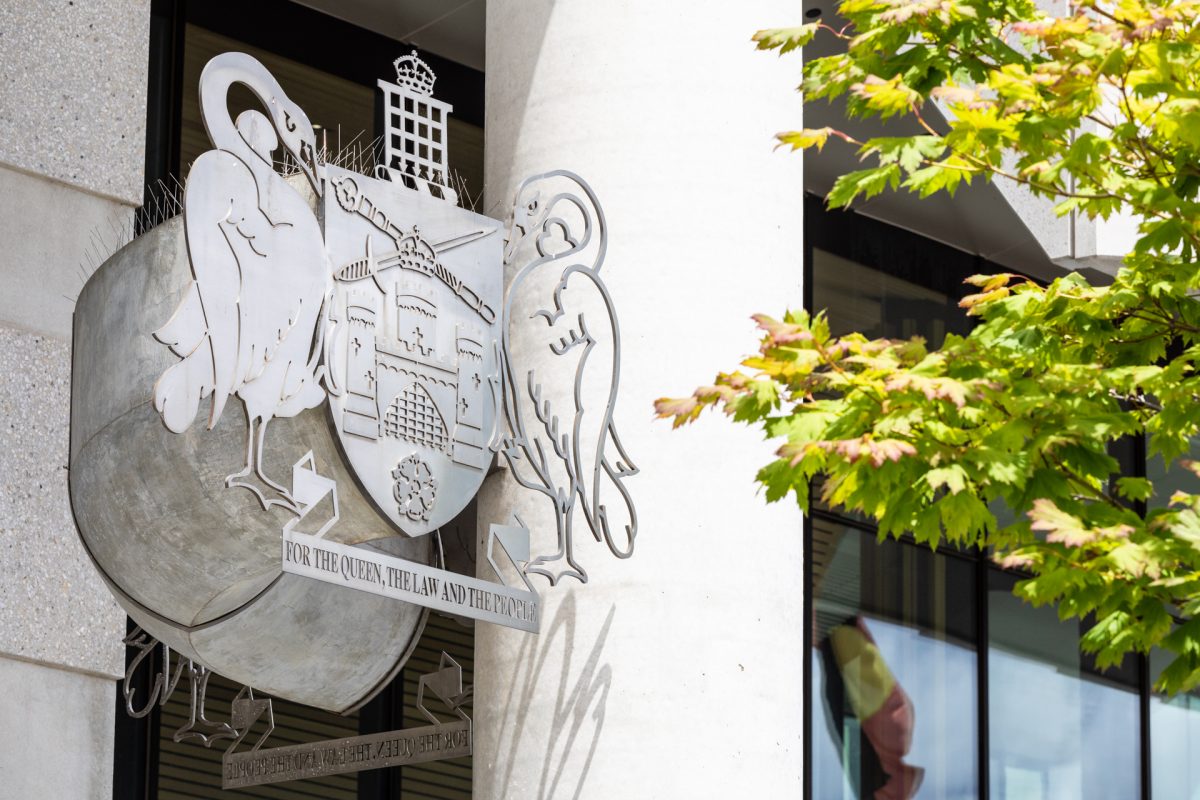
point(743, 649)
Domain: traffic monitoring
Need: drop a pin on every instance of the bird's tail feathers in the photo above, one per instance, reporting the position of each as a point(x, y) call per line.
point(179, 390)
point(333, 346)
point(301, 390)
point(186, 328)
point(602, 526)
point(613, 466)
point(622, 464)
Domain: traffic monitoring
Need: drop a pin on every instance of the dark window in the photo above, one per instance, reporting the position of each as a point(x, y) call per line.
point(863, 299)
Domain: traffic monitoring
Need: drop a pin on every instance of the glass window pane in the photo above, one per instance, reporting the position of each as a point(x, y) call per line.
point(1176, 479)
point(894, 670)
point(860, 298)
point(1058, 729)
point(863, 299)
point(1174, 740)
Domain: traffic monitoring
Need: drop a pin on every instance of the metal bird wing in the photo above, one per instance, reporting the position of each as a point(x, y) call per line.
point(559, 438)
point(249, 324)
point(257, 286)
point(219, 270)
point(284, 280)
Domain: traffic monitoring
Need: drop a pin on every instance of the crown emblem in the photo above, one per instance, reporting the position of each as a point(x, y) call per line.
point(414, 74)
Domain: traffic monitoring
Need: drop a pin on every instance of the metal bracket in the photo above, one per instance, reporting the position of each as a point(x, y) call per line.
point(447, 685)
point(514, 541)
point(246, 711)
point(308, 489)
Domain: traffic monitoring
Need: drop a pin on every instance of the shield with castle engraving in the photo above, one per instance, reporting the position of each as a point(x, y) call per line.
point(412, 355)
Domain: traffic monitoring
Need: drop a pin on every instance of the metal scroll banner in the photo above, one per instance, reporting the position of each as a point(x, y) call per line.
point(388, 576)
point(432, 742)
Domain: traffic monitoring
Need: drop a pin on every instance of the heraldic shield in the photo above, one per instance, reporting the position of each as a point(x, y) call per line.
point(412, 353)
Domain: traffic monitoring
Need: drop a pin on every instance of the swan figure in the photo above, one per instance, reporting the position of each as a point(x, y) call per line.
point(558, 436)
point(250, 323)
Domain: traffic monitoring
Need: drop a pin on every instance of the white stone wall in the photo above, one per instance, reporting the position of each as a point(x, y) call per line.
point(677, 672)
point(72, 139)
point(57, 736)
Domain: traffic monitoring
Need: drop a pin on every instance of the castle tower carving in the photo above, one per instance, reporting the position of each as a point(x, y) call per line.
point(361, 415)
point(470, 448)
point(409, 380)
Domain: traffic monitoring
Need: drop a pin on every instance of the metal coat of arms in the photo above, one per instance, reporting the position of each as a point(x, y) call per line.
point(238, 542)
point(388, 293)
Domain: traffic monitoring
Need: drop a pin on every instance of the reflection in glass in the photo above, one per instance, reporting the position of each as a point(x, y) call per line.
point(869, 301)
point(1058, 729)
point(1174, 721)
point(1174, 740)
point(894, 670)
point(862, 299)
point(1176, 479)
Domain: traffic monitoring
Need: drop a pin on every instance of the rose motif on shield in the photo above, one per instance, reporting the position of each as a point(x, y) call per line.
point(415, 488)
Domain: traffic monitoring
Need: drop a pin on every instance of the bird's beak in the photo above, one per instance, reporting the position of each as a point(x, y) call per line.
point(512, 242)
point(309, 166)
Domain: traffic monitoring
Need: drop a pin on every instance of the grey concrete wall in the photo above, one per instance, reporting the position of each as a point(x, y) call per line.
point(72, 140)
point(56, 740)
point(53, 236)
point(53, 607)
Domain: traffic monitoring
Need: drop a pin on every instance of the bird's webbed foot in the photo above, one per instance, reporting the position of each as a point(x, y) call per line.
point(282, 499)
point(252, 477)
point(268, 493)
point(556, 566)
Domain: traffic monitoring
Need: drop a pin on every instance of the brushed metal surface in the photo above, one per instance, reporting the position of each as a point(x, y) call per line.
point(195, 564)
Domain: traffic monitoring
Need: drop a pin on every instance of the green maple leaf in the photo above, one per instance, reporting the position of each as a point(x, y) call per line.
point(1024, 411)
